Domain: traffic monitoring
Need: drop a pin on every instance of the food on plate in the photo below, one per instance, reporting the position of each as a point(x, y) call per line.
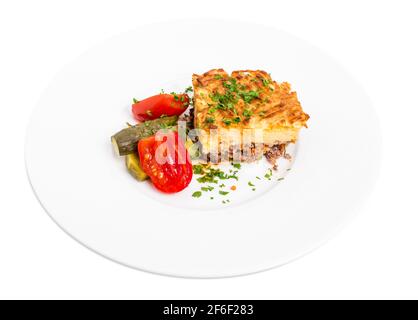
point(134, 167)
point(126, 141)
point(163, 104)
point(193, 149)
point(237, 117)
point(247, 108)
point(176, 171)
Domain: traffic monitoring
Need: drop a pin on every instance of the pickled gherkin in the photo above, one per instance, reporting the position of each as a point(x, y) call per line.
point(134, 167)
point(126, 141)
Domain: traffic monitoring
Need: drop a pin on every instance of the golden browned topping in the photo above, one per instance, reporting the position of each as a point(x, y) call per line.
point(245, 99)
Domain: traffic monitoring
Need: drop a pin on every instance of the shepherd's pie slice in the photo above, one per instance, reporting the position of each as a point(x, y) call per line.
point(246, 107)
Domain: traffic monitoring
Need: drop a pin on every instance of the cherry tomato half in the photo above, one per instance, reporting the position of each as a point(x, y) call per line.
point(165, 159)
point(159, 105)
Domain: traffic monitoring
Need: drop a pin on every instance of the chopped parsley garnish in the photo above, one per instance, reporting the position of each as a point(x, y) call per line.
point(237, 165)
point(208, 188)
point(210, 120)
point(198, 169)
point(280, 179)
point(212, 110)
point(251, 184)
point(218, 77)
point(230, 106)
point(176, 97)
point(223, 193)
point(253, 189)
point(258, 178)
point(227, 121)
point(249, 96)
point(231, 85)
point(207, 179)
point(268, 174)
point(233, 92)
point(266, 82)
point(247, 113)
point(222, 186)
point(188, 89)
point(237, 119)
point(225, 101)
point(211, 175)
point(197, 194)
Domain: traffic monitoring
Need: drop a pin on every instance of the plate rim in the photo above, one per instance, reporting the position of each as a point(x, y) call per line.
point(313, 247)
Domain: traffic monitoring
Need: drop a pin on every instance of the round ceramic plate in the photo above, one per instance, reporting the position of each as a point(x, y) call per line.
point(86, 190)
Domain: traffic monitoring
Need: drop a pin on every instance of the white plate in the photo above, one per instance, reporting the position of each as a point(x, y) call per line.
point(88, 193)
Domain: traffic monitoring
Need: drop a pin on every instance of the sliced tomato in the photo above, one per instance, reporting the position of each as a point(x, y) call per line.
point(165, 159)
point(160, 105)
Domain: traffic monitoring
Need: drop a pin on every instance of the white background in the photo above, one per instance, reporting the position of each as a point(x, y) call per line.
point(375, 257)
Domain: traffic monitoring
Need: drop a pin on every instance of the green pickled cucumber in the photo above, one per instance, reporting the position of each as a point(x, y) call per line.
point(134, 167)
point(126, 141)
